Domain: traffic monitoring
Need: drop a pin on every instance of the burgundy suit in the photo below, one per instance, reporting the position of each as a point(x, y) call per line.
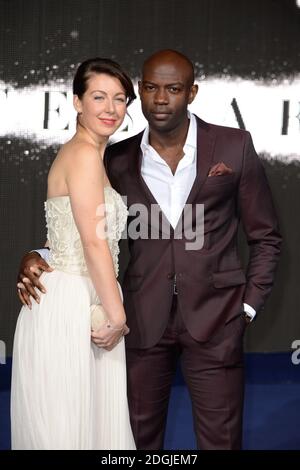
point(202, 324)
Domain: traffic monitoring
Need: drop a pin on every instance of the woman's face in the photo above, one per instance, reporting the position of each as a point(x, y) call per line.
point(102, 108)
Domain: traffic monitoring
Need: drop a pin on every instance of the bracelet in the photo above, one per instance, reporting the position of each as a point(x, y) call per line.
point(108, 325)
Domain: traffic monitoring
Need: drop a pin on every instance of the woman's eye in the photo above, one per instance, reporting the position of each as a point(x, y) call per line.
point(99, 98)
point(121, 100)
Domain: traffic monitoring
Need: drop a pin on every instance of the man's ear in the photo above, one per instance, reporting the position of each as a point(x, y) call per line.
point(193, 93)
point(77, 104)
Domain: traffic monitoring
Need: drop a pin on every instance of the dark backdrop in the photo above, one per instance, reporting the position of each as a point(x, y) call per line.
point(43, 41)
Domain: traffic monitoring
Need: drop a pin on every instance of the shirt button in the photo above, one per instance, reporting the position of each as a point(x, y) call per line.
point(170, 276)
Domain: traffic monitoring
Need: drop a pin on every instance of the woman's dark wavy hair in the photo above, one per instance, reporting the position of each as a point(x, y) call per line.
point(100, 65)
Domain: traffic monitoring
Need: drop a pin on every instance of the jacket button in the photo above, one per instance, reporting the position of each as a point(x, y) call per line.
point(170, 276)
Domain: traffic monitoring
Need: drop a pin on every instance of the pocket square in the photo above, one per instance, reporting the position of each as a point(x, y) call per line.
point(220, 169)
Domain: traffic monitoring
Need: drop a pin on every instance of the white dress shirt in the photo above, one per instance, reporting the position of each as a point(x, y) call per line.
point(170, 191)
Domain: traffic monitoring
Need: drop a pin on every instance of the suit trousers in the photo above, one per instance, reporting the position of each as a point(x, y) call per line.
point(213, 372)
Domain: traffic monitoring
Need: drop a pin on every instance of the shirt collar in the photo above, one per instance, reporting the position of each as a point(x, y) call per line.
point(189, 146)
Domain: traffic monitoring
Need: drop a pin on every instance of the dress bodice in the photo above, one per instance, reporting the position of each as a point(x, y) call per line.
point(66, 252)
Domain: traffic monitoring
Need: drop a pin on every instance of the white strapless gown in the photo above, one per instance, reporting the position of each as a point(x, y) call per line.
point(66, 392)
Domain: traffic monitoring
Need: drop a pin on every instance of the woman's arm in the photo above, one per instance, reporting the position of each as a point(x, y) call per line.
point(85, 181)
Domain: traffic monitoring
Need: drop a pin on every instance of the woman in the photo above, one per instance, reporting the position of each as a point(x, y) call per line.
point(68, 393)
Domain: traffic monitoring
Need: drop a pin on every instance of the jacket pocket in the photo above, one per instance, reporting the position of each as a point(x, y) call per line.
point(234, 277)
point(220, 179)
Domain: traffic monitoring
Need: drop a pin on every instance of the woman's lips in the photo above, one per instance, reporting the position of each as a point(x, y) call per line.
point(108, 122)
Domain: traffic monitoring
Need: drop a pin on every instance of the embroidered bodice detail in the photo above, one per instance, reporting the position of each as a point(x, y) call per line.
point(66, 252)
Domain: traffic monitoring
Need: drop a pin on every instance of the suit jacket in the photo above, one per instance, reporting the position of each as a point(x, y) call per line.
point(211, 283)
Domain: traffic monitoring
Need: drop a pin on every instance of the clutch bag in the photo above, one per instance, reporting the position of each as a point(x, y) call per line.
point(98, 317)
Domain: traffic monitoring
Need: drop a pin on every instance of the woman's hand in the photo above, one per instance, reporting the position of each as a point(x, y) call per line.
point(108, 336)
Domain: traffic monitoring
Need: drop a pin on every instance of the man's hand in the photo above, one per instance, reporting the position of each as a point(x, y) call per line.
point(31, 268)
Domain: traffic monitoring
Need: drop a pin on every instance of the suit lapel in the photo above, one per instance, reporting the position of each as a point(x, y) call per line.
point(145, 195)
point(205, 147)
point(135, 163)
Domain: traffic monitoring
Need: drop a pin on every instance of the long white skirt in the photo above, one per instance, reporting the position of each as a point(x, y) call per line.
point(66, 393)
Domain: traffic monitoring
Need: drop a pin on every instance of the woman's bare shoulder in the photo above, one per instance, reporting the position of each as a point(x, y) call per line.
point(77, 149)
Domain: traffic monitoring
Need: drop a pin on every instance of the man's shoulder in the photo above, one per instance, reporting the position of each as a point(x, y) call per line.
point(220, 130)
point(123, 146)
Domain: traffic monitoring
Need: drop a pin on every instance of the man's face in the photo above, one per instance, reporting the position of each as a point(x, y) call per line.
point(165, 92)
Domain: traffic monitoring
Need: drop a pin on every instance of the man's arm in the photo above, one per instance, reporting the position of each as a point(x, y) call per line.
point(260, 226)
point(31, 267)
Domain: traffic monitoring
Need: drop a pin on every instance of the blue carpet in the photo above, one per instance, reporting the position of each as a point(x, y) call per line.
point(271, 418)
point(271, 415)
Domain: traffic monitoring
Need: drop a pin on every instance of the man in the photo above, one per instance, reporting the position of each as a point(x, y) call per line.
point(192, 303)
